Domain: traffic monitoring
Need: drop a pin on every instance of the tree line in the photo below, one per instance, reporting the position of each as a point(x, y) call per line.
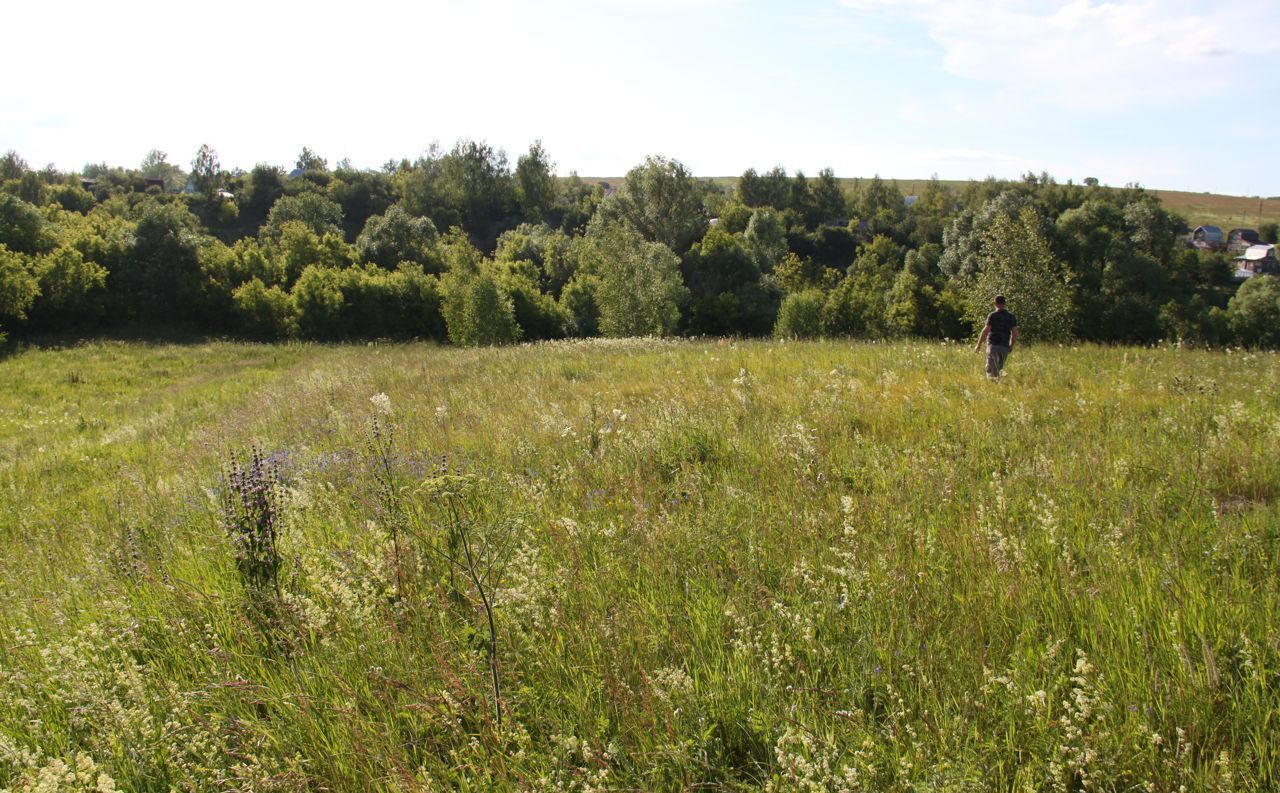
point(461, 245)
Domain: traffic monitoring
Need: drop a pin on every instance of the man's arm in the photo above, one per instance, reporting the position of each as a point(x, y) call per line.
point(1013, 336)
point(982, 337)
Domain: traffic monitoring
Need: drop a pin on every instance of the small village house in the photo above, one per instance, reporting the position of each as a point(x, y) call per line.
point(1257, 260)
point(1209, 238)
point(1239, 240)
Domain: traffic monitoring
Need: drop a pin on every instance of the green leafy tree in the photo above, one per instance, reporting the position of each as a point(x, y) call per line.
point(72, 197)
point(535, 186)
point(206, 171)
point(771, 189)
point(765, 238)
point(318, 299)
point(829, 204)
point(640, 290)
point(397, 236)
point(12, 166)
point(362, 195)
point(22, 226)
point(311, 209)
point(582, 310)
point(1254, 312)
point(661, 200)
point(18, 288)
point(477, 313)
point(724, 283)
point(800, 315)
point(308, 160)
point(1016, 261)
point(30, 187)
point(156, 165)
point(797, 273)
point(160, 277)
point(474, 182)
point(72, 290)
point(264, 188)
point(265, 312)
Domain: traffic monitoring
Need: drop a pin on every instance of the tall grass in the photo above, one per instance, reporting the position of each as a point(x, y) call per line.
point(763, 565)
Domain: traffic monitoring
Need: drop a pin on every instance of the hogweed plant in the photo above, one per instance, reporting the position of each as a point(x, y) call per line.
point(251, 516)
point(380, 448)
point(478, 550)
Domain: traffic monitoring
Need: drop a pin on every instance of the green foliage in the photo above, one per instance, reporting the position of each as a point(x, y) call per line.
point(1254, 312)
point(662, 201)
point(1016, 261)
point(800, 315)
point(537, 314)
point(29, 187)
point(723, 280)
point(477, 313)
point(156, 165)
point(308, 160)
point(362, 195)
point(160, 278)
point(72, 197)
point(766, 238)
point(1193, 322)
point(12, 166)
point(265, 312)
point(405, 303)
point(535, 185)
point(552, 252)
point(22, 227)
point(318, 300)
point(396, 237)
point(470, 186)
point(797, 274)
point(311, 209)
point(771, 189)
point(734, 217)
point(640, 290)
point(206, 171)
point(18, 286)
point(581, 309)
point(264, 188)
point(72, 290)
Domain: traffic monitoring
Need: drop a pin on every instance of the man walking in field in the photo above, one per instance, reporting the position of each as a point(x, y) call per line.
point(1000, 332)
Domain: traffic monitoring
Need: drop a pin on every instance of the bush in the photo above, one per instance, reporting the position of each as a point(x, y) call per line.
point(396, 237)
point(582, 312)
point(1254, 312)
point(477, 313)
point(265, 312)
point(72, 290)
point(538, 315)
point(404, 303)
point(800, 316)
point(318, 298)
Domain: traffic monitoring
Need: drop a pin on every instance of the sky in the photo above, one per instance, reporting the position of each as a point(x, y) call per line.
point(1169, 94)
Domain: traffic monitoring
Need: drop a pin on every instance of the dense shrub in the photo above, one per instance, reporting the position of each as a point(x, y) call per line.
point(265, 312)
point(1254, 312)
point(800, 316)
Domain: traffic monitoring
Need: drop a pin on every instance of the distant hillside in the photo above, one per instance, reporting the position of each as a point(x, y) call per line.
point(1198, 209)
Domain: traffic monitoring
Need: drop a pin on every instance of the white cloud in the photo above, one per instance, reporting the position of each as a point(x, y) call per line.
point(1091, 55)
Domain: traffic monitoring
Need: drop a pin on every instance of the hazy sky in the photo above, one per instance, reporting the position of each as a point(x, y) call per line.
point(1168, 93)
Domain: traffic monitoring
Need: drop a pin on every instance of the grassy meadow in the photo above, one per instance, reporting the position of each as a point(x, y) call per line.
point(823, 566)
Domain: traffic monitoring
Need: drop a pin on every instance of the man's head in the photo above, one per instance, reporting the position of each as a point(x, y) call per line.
point(999, 301)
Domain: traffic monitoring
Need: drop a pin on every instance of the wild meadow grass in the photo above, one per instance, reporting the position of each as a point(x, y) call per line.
point(639, 565)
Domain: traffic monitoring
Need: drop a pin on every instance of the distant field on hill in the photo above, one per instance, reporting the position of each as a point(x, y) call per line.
point(1198, 209)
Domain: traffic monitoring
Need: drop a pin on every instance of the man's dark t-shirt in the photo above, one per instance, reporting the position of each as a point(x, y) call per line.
point(1002, 324)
